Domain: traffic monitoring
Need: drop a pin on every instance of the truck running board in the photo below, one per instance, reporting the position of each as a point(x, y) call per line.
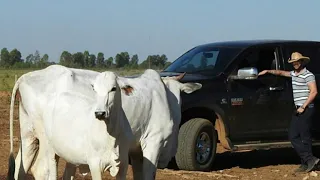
point(258, 145)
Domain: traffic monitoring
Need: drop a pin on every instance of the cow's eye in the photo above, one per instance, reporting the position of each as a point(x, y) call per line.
point(92, 86)
point(113, 89)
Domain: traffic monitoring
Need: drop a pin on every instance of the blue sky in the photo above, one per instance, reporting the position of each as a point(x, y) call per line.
point(149, 27)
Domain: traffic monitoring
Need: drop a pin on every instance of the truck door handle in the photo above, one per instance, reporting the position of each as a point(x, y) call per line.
point(275, 88)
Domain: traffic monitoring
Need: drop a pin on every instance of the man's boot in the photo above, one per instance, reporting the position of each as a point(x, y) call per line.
point(301, 168)
point(312, 164)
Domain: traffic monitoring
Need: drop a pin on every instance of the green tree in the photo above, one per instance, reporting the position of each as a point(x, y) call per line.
point(4, 58)
point(66, 59)
point(92, 60)
point(45, 58)
point(163, 60)
point(122, 59)
point(100, 60)
point(15, 57)
point(109, 62)
point(36, 59)
point(144, 64)
point(167, 64)
point(78, 60)
point(86, 57)
point(154, 61)
point(29, 60)
point(134, 61)
point(44, 61)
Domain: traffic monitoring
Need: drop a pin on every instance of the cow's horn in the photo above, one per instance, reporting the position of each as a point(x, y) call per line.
point(180, 76)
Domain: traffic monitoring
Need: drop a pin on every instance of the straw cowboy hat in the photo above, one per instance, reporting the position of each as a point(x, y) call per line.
point(296, 56)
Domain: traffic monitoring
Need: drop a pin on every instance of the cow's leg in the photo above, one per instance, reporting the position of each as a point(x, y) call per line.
point(40, 168)
point(57, 162)
point(40, 165)
point(17, 165)
point(95, 170)
point(136, 158)
point(69, 171)
point(28, 146)
point(45, 166)
point(151, 154)
point(52, 164)
point(26, 153)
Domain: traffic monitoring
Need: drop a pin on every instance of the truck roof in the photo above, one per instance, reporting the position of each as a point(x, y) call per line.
point(248, 43)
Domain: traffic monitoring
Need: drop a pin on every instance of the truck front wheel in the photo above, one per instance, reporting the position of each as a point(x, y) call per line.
point(197, 144)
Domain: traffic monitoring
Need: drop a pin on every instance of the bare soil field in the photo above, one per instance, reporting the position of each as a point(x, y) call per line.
point(260, 164)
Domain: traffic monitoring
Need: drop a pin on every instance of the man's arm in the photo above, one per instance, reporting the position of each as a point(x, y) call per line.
point(313, 90)
point(276, 72)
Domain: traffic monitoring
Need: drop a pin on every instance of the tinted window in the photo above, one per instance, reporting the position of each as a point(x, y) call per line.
point(208, 60)
point(313, 52)
point(200, 61)
point(261, 58)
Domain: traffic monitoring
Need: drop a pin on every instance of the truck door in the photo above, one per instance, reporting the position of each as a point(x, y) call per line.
point(255, 104)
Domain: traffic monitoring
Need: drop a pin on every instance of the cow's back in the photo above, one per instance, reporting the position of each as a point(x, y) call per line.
point(37, 86)
point(55, 79)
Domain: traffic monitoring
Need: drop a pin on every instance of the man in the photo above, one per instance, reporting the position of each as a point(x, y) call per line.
point(304, 91)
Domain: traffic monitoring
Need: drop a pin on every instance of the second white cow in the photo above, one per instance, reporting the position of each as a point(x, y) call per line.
point(154, 114)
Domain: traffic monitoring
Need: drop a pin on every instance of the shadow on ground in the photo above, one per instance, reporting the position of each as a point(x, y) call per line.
point(259, 158)
point(255, 159)
point(28, 177)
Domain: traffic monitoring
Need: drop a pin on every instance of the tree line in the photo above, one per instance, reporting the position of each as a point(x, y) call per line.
point(13, 59)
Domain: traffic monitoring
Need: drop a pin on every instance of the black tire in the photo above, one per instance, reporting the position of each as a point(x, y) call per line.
point(189, 132)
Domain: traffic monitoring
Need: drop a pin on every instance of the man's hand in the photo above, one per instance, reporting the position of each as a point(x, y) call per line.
point(263, 72)
point(300, 110)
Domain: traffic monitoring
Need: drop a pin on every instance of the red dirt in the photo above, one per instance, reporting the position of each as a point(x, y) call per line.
point(262, 164)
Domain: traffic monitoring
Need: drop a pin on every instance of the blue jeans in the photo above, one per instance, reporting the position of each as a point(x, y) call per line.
point(300, 134)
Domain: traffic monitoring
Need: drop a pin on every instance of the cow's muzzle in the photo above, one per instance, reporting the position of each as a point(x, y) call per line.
point(101, 115)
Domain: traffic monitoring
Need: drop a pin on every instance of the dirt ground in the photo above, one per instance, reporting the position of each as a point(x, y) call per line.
point(261, 164)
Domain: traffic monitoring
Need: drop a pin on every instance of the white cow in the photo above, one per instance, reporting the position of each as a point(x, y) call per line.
point(154, 114)
point(153, 120)
point(174, 88)
point(155, 125)
point(59, 112)
point(103, 143)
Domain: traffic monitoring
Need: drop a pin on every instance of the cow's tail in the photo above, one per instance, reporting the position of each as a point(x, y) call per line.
point(11, 167)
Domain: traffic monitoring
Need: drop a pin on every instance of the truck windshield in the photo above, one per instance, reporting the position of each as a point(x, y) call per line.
point(205, 60)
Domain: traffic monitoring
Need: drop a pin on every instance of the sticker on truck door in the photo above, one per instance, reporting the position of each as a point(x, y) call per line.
point(236, 101)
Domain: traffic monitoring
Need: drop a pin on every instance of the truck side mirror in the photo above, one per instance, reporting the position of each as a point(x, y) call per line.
point(247, 73)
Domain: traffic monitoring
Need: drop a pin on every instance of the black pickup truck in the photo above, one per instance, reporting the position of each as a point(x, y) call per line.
point(234, 107)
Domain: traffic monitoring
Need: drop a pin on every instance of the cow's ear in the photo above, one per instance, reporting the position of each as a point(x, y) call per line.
point(127, 89)
point(190, 87)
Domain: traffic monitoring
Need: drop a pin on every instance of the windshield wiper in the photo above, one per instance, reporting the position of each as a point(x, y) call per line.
point(174, 71)
point(201, 71)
